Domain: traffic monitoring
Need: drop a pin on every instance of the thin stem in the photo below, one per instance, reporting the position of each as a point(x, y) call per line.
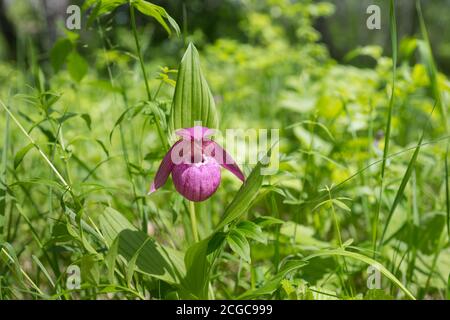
point(393, 32)
point(121, 131)
point(336, 222)
point(138, 49)
point(193, 220)
point(341, 245)
point(60, 177)
point(24, 273)
point(157, 90)
point(141, 62)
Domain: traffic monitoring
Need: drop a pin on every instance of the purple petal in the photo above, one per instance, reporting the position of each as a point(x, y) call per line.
point(196, 133)
point(212, 149)
point(198, 181)
point(164, 170)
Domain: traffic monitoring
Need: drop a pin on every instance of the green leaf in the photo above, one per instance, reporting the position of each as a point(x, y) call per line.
point(44, 271)
point(405, 179)
point(137, 109)
point(101, 7)
point(371, 51)
point(59, 53)
point(348, 242)
point(90, 270)
point(251, 230)
point(246, 194)
point(341, 205)
point(265, 221)
point(21, 154)
point(112, 223)
point(192, 101)
point(66, 116)
point(157, 12)
point(77, 66)
point(197, 270)
point(87, 118)
point(288, 289)
point(135, 247)
point(80, 237)
point(132, 262)
point(239, 244)
point(430, 230)
point(110, 260)
point(154, 108)
point(216, 241)
point(105, 150)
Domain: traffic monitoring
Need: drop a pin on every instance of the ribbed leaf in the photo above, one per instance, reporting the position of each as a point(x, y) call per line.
point(239, 244)
point(139, 250)
point(197, 270)
point(193, 100)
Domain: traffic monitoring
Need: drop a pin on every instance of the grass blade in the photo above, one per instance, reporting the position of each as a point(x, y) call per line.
point(405, 180)
point(367, 260)
point(393, 32)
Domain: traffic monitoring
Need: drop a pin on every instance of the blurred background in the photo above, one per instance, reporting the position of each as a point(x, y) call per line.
point(340, 24)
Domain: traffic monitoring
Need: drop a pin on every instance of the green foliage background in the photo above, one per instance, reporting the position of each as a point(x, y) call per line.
point(308, 232)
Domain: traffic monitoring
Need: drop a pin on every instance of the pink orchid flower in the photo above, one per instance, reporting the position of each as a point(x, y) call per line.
point(194, 162)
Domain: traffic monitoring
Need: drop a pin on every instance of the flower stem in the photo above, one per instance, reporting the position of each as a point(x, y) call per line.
point(193, 220)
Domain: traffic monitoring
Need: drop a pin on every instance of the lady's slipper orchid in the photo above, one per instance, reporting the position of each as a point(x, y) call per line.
point(194, 162)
